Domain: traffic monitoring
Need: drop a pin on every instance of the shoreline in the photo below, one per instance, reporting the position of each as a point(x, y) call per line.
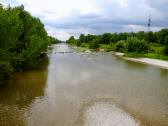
point(154, 62)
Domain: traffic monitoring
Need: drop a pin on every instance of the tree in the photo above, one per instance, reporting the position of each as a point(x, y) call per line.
point(106, 38)
point(53, 40)
point(72, 40)
point(133, 44)
point(141, 35)
point(82, 38)
point(166, 45)
point(120, 46)
point(151, 37)
point(22, 40)
point(161, 36)
point(94, 44)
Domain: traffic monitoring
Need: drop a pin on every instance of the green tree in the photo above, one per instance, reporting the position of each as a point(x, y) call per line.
point(161, 36)
point(133, 44)
point(120, 46)
point(72, 40)
point(94, 44)
point(106, 38)
point(166, 45)
point(22, 40)
point(141, 35)
point(82, 38)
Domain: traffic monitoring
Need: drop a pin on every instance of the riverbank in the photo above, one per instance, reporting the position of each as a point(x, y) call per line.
point(155, 62)
point(135, 58)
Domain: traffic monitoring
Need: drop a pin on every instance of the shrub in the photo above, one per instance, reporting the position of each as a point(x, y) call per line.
point(166, 45)
point(166, 50)
point(85, 45)
point(94, 44)
point(133, 44)
point(107, 47)
point(78, 43)
point(120, 46)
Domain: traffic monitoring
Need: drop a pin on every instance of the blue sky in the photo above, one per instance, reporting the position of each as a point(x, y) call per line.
point(64, 18)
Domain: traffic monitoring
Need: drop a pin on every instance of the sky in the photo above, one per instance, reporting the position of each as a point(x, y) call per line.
point(65, 18)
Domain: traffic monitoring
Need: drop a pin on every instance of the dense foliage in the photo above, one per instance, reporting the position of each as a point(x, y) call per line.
point(154, 44)
point(134, 44)
point(23, 40)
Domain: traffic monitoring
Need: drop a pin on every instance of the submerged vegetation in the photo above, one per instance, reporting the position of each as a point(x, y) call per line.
point(140, 44)
point(23, 40)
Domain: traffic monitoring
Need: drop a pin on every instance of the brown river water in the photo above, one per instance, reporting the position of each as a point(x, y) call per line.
point(62, 89)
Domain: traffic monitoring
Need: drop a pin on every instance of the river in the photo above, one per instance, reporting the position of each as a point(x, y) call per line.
point(59, 92)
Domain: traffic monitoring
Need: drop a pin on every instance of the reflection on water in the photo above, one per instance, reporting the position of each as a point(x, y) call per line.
point(163, 73)
point(56, 94)
point(19, 92)
point(133, 65)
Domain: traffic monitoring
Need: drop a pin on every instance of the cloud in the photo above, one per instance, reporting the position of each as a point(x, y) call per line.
point(63, 18)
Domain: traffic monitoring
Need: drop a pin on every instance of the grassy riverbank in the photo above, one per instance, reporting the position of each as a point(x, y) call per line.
point(156, 53)
point(146, 58)
point(141, 44)
point(147, 55)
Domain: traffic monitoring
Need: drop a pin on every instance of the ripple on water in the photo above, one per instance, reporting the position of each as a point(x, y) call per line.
point(106, 114)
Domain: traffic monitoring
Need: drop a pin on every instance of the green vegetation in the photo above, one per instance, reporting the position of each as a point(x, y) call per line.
point(107, 47)
point(120, 46)
point(133, 44)
point(23, 41)
point(140, 44)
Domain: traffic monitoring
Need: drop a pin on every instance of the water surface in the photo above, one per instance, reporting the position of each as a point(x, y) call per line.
point(57, 93)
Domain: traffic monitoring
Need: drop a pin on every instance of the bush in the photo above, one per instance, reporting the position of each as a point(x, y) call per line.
point(94, 44)
point(133, 44)
point(166, 45)
point(85, 45)
point(107, 47)
point(120, 46)
point(78, 43)
point(166, 50)
point(158, 50)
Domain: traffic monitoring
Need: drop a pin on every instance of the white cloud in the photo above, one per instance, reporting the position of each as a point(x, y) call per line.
point(64, 34)
point(63, 18)
point(137, 28)
point(61, 8)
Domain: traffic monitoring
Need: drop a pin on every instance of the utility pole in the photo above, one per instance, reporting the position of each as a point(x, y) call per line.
point(149, 29)
point(149, 23)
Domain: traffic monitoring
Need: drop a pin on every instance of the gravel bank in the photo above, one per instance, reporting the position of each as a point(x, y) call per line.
point(155, 62)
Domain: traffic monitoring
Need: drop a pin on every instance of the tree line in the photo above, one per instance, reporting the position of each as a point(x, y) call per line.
point(150, 44)
point(22, 40)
